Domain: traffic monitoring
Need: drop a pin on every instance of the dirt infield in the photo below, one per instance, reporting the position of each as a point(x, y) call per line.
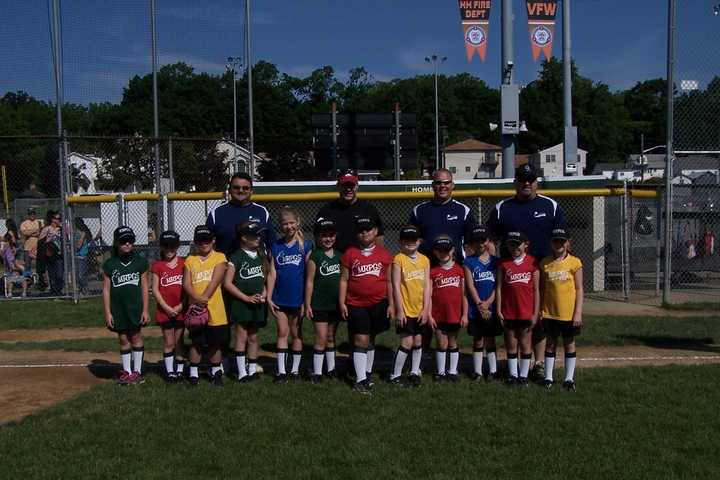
point(34, 380)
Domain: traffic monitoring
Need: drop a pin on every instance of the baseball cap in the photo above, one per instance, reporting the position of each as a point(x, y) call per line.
point(169, 238)
point(478, 233)
point(526, 172)
point(516, 237)
point(203, 234)
point(251, 228)
point(364, 223)
point(410, 232)
point(442, 242)
point(325, 225)
point(31, 211)
point(124, 233)
point(347, 176)
point(560, 234)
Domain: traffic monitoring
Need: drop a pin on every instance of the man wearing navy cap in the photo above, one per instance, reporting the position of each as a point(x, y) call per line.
point(536, 216)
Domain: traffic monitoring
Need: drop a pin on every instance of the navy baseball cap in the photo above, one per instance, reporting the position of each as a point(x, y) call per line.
point(363, 224)
point(325, 225)
point(559, 234)
point(410, 232)
point(203, 234)
point(169, 238)
point(124, 234)
point(250, 229)
point(478, 233)
point(526, 172)
point(442, 242)
point(515, 237)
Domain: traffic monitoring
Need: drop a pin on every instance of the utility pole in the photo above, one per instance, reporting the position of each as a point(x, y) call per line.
point(435, 59)
point(669, 151)
point(396, 140)
point(156, 123)
point(509, 95)
point(333, 119)
point(570, 140)
point(248, 66)
point(233, 63)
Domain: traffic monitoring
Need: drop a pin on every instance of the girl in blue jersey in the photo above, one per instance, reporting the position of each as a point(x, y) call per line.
point(286, 289)
point(484, 325)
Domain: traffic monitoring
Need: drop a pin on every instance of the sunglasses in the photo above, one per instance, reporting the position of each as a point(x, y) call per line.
point(243, 188)
point(57, 218)
point(126, 242)
point(442, 182)
point(348, 185)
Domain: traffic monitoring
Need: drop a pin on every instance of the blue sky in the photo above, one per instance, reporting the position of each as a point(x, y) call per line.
point(106, 42)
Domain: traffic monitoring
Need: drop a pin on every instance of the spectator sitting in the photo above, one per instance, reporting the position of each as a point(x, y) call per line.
point(14, 269)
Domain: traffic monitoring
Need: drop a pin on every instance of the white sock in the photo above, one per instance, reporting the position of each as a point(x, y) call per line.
point(360, 358)
point(454, 355)
point(570, 360)
point(370, 358)
point(400, 357)
point(281, 354)
point(169, 359)
point(194, 371)
point(216, 367)
point(126, 358)
point(137, 357)
point(318, 358)
point(440, 361)
point(549, 365)
point(240, 360)
point(296, 357)
point(179, 366)
point(492, 360)
point(416, 359)
point(512, 365)
point(252, 367)
point(330, 358)
point(525, 360)
point(477, 360)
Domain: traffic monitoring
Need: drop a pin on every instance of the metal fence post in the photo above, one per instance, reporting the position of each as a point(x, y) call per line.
point(658, 240)
point(121, 210)
point(69, 218)
point(625, 243)
point(170, 206)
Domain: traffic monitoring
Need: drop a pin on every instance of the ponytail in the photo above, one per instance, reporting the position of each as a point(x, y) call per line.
point(299, 235)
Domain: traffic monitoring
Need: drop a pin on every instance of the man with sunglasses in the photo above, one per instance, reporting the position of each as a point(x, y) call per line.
point(536, 216)
point(222, 220)
point(442, 215)
point(346, 208)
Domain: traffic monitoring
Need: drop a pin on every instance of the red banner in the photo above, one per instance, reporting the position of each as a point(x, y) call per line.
point(475, 18)
point(541, 24)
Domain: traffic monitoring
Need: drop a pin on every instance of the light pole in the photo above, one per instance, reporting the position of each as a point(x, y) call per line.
point(436, 60)
point(233, 64)
point(248, 67)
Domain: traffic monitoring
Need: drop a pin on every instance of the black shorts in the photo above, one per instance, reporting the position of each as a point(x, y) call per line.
point(560, 328)
point(289, 310)
point(412, 327)
point(368, 320)
point(515, 324)
point(173, 324)
point(218, 336)
point(326, 316)
point(539, 333)
point(448, 327)
point(128, 332)
point(480, 328)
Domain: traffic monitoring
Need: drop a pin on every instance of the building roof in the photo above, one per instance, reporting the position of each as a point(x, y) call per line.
point(559, 146)
point(471, 145)
point(697, 162)
point(598, 168)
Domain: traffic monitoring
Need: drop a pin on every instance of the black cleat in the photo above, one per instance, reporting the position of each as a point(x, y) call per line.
point(523, 382)
point(396, 381)
point(493, 378)
point(548, 384)
point(294, 377)
point(452, 378)
point(316, 379)
point(437, 378)
point(280, 378)
point(362, 388)
point(193, 381)
point(171, 378)
point(569, 385)
point(414, 380)
point(217, 379)
point(332, 375)
point(476, 377)
point(511, 381)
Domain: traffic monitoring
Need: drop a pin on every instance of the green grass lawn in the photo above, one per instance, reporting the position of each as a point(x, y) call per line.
point(626, 423)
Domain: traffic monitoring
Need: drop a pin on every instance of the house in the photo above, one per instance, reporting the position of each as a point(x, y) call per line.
point(550, 162)
point(83, 172)
point(237, 157)
point(472, 159)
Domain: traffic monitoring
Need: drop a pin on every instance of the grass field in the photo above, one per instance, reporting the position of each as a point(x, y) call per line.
point(622, 423)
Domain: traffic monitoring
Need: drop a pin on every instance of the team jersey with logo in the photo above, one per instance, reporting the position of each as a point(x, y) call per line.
point(170, 285)
point(326, 282)
point(518, 292)
point(447, 293)
point(368, 269)
point(289, 263)
point(250, 280)
point(125, 289)
point(222, 221)
point(412, 282)
point(483, 275)
point(559, 286)
point(451, 218)
point(201, 272)
point(344, 217)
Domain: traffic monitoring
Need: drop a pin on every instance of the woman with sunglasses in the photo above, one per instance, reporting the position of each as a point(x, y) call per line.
point(125, 302)
point(51, 239)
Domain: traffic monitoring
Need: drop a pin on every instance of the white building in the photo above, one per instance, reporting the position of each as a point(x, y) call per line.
point(472, 159)
point(83, 172)
point(550, 162)
point(238, 157)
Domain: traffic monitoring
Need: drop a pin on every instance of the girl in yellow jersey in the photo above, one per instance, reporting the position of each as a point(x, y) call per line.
point(204, 273)
point(411, 288)
point(561, 290)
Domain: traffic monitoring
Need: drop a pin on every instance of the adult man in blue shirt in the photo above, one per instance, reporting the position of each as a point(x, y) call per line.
point(536, 216)
point(223, 220)
point(442, 215)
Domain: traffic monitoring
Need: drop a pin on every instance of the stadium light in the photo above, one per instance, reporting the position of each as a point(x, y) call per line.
point(716, 9)
point(436, 60)
point(232, 65)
